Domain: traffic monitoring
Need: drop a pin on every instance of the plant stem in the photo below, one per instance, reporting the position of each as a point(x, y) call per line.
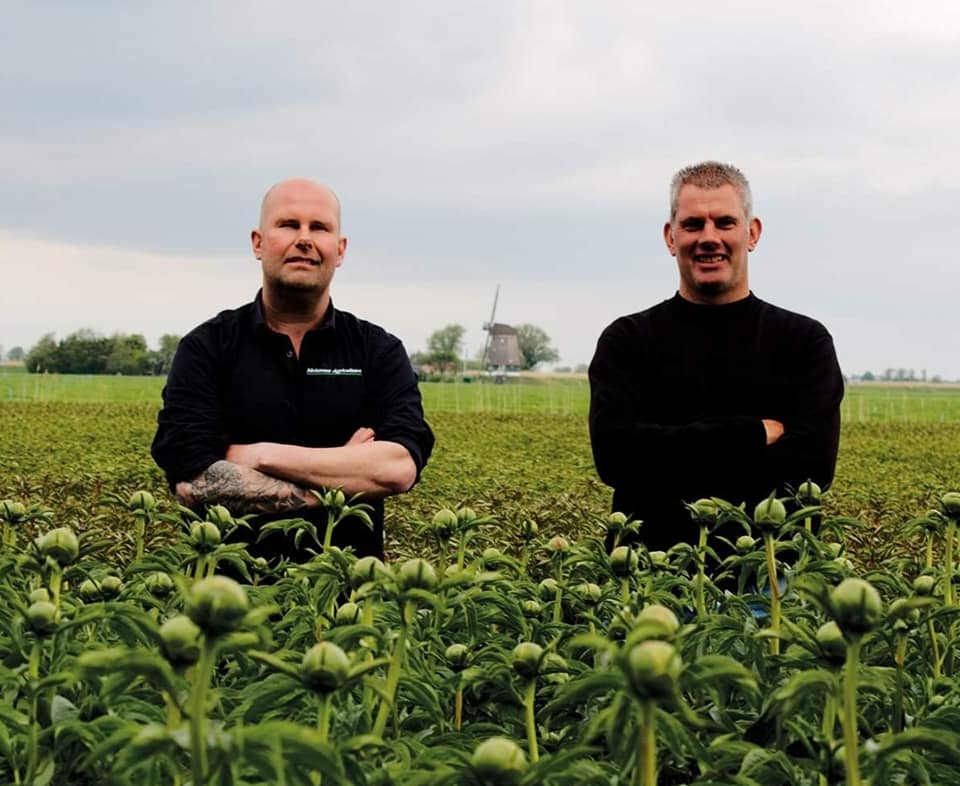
point(33, 736)
point(948, 564)
point(774, 592)
point(827, 725)
point(198, 712)
point(899, 658)
point(851, 759)
point(393, 674)
point(934, 648)
point(458, 708)
point(645, 773)
point(701, 572)
point(328, 531)
point(529, 696)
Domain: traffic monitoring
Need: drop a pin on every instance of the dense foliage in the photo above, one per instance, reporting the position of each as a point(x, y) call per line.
point(500, 644)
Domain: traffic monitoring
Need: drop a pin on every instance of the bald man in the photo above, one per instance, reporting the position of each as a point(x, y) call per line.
point(288, 393)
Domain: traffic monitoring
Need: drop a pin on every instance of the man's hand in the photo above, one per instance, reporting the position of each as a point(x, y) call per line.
point(361, 435)
point(774, 429)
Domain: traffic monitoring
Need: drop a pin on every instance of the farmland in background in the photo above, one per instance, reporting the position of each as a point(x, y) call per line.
point(518, 450)
point(545, 394)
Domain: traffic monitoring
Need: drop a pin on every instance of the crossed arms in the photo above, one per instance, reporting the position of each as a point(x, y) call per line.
point(270, 477)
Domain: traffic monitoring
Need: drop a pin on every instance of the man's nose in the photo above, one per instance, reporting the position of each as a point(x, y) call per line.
point(304, 239)
point(709, 235)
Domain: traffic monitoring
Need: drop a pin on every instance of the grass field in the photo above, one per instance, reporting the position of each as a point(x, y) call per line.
point(519, 451)
point(535, 393)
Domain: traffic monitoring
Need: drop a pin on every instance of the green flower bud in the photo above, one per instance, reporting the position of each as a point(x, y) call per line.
point(529, 529)
point(42, 617)
point(498, 761)
point(335, 500)
point(950, 502)
point(624, 561)
point(40, 593)
point(416, 573)
point(558, 544)
point(444, 523)
point(548, 589)
point(219, 515)
point(89, 591)
point(491, 556)
point(111, 586)
point(745, 544)
point(659, 560)
point(526, 659)
point(204, 536)
point(769, 514)
point(834, 549)
point(60, 544)
point(652, 669)
point(923, 585)
point(903, 618)
point(554, 669)
point(704, 511)
point(325, 667)
point(466, 516)
point(833, 647)
point(809, 493)
point(616, 521)
point(458, 656)
point(217, 604)
point(589, 592)
point(856, 605)
point(159, 584)
point(180, 638)
point(531, 609)
point(141, 500)
point(657, 616)
point(348, 614)
point(12, 511)
point(367, 569)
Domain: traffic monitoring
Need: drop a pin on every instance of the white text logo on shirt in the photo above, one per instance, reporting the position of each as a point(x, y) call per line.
point(334, 372)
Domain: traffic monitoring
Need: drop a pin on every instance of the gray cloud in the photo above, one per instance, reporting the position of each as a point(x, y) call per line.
point(527, 143)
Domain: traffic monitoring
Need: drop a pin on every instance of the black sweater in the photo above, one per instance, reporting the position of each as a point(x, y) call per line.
point(677, 396)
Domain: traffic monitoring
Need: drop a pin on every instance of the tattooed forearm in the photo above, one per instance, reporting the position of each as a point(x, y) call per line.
point(242, 490)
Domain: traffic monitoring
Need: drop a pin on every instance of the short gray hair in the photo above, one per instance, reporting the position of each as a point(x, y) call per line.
point(710, 174)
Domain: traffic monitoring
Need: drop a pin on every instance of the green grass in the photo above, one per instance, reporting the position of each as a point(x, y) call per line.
point(546, 395)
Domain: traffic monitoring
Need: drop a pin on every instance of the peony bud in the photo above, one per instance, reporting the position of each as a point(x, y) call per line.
point(857, 607)
point(60, 544)
point(217, 604)
point(325, 667)
point(498, 761)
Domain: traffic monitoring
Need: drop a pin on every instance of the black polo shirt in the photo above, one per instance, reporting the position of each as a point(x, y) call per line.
point(235, 381)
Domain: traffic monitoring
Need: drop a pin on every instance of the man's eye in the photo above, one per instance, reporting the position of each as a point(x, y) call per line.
point(691, 226)
point(289, 223)
point(317, 227)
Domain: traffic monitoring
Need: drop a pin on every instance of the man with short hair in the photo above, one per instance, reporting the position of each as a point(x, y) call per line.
point(712, 393)
point(288, 393)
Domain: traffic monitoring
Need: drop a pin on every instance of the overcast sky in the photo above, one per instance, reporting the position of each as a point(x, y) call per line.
point(525, 144)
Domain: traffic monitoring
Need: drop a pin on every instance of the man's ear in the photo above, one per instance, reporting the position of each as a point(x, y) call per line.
point(256, 239)
point(669, 239)
point(755, 229)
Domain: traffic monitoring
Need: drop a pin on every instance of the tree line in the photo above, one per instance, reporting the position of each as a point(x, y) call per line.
point(88, 352)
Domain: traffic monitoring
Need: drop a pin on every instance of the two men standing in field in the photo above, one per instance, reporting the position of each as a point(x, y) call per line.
point(714, 392)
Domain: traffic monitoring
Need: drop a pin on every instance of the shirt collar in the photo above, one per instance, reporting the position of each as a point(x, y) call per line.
point(329, 321)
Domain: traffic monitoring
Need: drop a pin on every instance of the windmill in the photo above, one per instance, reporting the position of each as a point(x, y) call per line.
point(501, 349)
